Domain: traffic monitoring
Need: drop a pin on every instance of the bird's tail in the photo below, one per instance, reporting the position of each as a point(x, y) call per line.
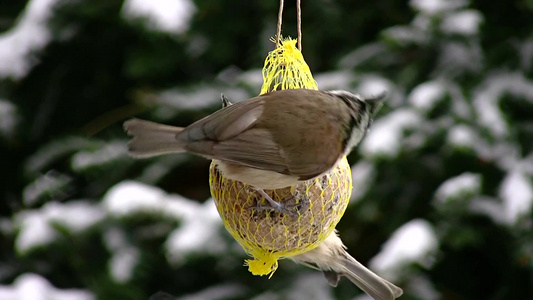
point(151, 139)
point(368, 281)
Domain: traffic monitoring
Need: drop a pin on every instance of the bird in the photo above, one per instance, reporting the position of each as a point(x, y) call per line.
point(334, 261)
point(271, 141)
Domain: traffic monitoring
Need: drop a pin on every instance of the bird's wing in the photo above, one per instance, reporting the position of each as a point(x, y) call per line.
point(229, 135)
point(253, 148)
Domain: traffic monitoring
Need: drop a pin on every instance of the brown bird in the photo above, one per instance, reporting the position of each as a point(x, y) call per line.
point(269, 142)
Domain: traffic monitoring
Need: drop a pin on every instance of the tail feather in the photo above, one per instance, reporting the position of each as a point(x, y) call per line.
point(151, 139)
point(332, 259)
point(374, 285)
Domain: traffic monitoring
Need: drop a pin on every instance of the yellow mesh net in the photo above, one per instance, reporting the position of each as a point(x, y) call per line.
point(285, 68)
point(268, 236)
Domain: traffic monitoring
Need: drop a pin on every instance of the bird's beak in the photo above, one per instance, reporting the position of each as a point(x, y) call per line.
point(376, 102)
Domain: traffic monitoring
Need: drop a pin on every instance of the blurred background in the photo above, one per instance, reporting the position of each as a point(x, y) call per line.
point(443, 183)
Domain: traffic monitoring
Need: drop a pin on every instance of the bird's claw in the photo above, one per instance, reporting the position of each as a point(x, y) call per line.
point(286, 209)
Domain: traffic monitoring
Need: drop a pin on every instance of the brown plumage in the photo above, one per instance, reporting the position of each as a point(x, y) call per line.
point(284, 136)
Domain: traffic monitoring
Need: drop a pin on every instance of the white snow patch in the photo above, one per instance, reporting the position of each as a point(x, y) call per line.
point(466, 183)
point(105, 154)
point(465, 22)
point(217, 292)
point(363, 174)
point(35, 231)
point(337, 80)
point(8, 116)
point(371, 86)
point(526, 53)
point(462, 136)
point(516, 191)
point(35, 287)
point(412, 242)
point(252, 78)
point(46, 155)
point(363, 297)
point(425, 95)
point(458, 57)
point(122, 264)
point(422, 288)
point(44, 186)
point(407, 34)
point(171, 16)
point(361, 55)
point(19, 45)
point(489, 207)
point(36, 226)
point(199, 223)
point(489, 93)
point(385, 135)
point(197, 98)
point(75, 216)
point(125, 257)
point(198, 233)
point(309, 285)
point(436, 6)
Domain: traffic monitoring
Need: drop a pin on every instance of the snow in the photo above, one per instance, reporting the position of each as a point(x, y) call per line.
point(425, 95)
point(372, 85)
point(46, 155)
point(129, 198)
point(455, 187)
point(34, 287)
point(216, 292)
point(34, 231)
point(44, 186)
point(252, 78)
point(337, 80)
point(309, 285)
point(75, 216)
point(36, 226)
point(526, 53)
point(19, 45)
point(487, 96)
point(198, 233)
point(422, 288)
point(124, 256)
point(196, 98)
point(385, 135)
point(462, 136)
point(411, 243)
point(363, 175)
point(122, 264)
point(199, 222)
point(363, 297)
point(106, 153)
point(456, 58)
point(489, 207)
point(406, 34)
point(8, 116)
point(465, 22)
point(516, 191)
point(436, 6)
point(360, 55)
point(172, 16)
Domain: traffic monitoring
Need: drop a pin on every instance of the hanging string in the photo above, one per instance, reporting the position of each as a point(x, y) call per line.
point(298, 23)
point(280, 17)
